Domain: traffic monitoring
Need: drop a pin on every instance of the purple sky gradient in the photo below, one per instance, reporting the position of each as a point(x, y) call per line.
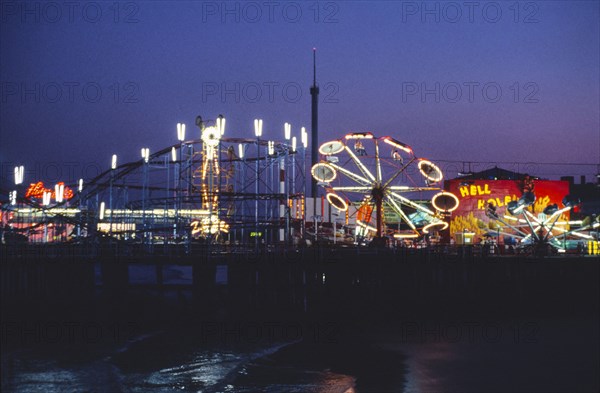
point(165, 56)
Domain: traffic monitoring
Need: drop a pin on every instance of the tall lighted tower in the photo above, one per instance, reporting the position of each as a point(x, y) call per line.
point(314, 155)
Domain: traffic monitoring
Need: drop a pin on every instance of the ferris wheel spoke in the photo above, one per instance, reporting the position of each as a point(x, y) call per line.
point(574, 232)
point(353, 176)
point(410, 203)
point(534, 218)
point(554, 219)
point(411, 189)
point(360, 165)
point(513, 227)
point(377, 162)
point(400, 212)
point(533, 233)
point(399, 172)
point(351, 189)
point(533, 230)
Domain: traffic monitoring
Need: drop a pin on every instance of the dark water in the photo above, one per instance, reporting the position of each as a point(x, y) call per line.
point(344, 338)
point(527, 356)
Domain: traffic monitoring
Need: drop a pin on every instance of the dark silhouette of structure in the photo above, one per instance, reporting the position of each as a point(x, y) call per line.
point(314, 92)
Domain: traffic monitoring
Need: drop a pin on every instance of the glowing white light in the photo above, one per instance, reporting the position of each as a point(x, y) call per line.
point(331, 147)
point(271, 148)
point(323, 172)
point(427, 227)
point(258, 125)
point(288, 131)
point(401, 213)
point(102, 210)
point(173, 154)
point(304, 137)
point(444, 194)
point(337, 201)
point(517, 210)
point(211, 136)
point(574, 233)
point(362, 167)
point(59, 192)
point(113, 163)
point(412, 204)
point(13, 197)
point(210, 225)
point(561, 211)
point(353, 188)
point(52, 211)
point(181, 132)
point(19, 174)
point(294, 142)
point(392, 142)
point(434, 174)
point(359, 135)
point(406, 235)
point(46, 198)
point(221, 125)
point(146, 154)
point(352, 175)
point(241, 150)
point(409, 189)
point(366, 226)
point(80, 188)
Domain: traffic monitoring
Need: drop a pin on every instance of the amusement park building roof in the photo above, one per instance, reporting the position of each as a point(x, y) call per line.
point(494, 173)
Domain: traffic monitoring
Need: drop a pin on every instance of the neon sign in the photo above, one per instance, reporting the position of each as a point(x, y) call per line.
point(476, 196)
point(209, 225)
point(37, 190)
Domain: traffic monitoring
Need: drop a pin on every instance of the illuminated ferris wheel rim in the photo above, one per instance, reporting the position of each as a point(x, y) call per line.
point(331, 148)
point(337, 146)
point(326, 171)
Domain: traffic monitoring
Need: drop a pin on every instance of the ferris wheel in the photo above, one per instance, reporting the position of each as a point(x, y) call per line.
point(382, 178)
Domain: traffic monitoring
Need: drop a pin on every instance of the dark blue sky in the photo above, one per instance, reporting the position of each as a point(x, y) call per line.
point(170, 61)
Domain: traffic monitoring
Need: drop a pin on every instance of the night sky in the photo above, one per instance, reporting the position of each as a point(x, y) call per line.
point(82, 82)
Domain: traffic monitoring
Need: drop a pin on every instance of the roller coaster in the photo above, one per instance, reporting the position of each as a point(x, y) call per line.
point(212, 188)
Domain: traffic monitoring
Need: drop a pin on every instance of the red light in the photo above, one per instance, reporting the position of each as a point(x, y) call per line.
point(36, 190)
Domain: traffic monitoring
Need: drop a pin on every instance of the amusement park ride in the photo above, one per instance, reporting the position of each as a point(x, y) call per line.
point(545, 232)
point(381, 175)
point(210, 188)
point(253, 191)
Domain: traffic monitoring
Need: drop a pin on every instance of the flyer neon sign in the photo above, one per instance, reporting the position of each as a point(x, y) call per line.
point(37, 190)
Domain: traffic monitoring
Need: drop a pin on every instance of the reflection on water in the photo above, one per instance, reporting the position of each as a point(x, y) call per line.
point(559, 356)
point(198, 371)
